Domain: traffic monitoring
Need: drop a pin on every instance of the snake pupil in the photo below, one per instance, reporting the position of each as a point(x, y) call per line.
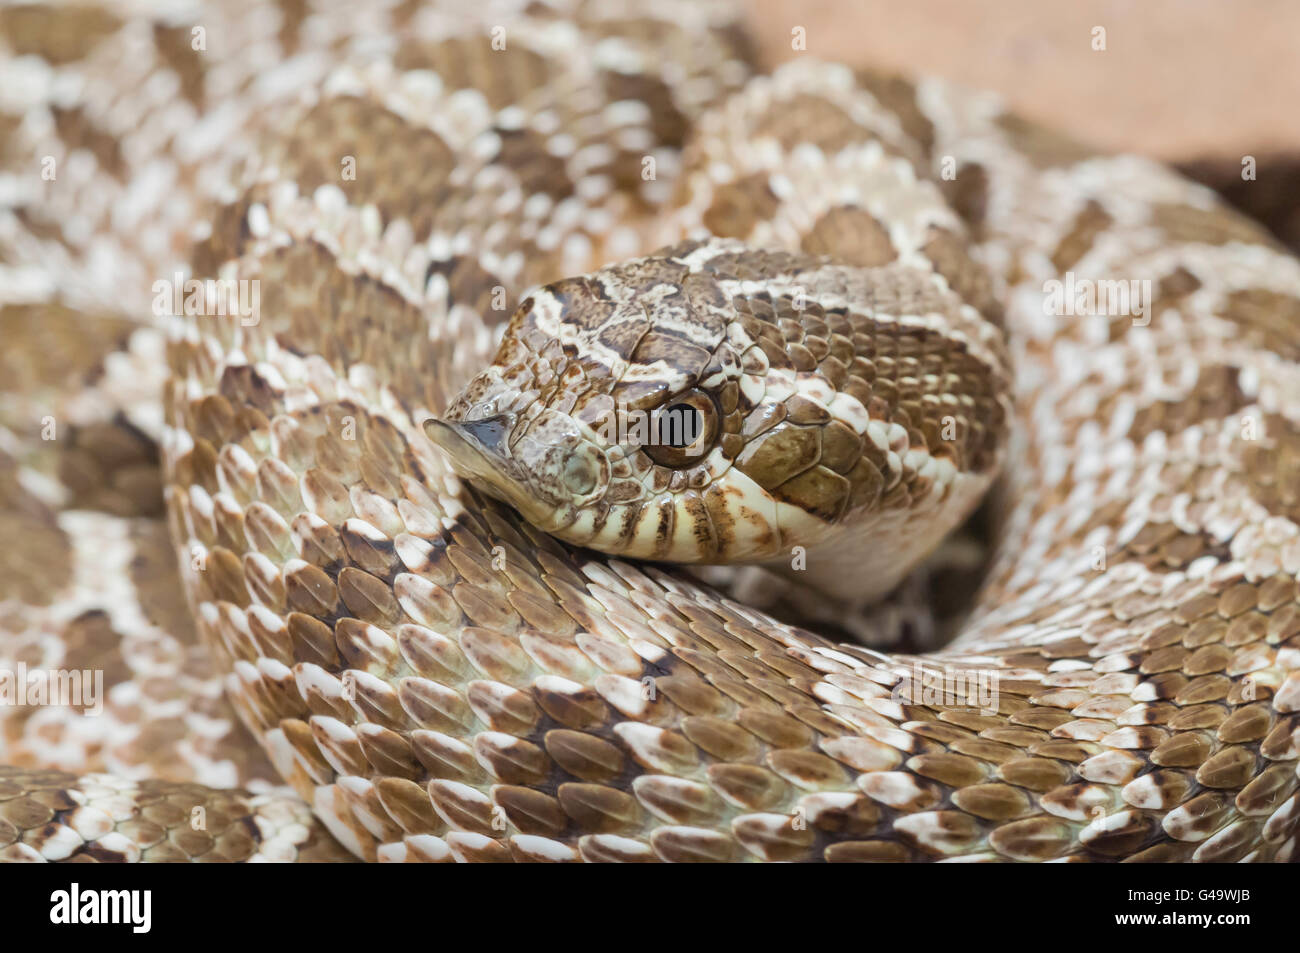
point(678, 426)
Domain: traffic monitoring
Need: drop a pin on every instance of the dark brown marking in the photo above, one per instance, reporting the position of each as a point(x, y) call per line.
point(851, 235)
point(525, 154)
point(1044, 146)
point(1088, 224)
point(472, 285)
point(1213, 226)
point(738, 206)
point(1267, 318)
point(79, 131)
point(1215, 396)
point(503, 76)
point(964, 275)
point(57, 35)
point(175, 44)
point(811, 119)
point(898, 95)
point(968, 194)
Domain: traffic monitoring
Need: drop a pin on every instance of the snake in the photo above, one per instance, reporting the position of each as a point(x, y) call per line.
point(468, 433)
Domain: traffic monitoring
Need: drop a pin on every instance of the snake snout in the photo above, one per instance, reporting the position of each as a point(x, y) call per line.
point(478, 449)
point(543, 470)
point(474, 445)
point(490, 433)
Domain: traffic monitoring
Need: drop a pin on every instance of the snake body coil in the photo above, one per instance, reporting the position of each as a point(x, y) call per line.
point(864, 298)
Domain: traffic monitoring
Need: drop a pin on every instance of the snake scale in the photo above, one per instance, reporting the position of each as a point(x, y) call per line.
point(496, 224)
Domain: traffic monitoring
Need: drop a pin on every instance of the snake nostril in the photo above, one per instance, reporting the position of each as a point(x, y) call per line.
point(492, 433)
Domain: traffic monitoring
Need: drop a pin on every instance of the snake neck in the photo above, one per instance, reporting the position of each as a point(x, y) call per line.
point(857, 568)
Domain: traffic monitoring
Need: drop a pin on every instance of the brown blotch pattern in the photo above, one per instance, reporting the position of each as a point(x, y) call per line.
point(158, 585)
point(175, 44)
point(12, 156)
point(293, 13)
point(524, 153)
point(78, 131)
point(58, 35)
point(400, 167)
point(1088, 224)
point(111, 466)
point(91, 643)
point(1268, 319)
point(949, 256)
point(307, 295)
point(1215, 395)
point(468, 62)
point(898, 95)
point(1271, 465)
point(54, 348)
point(1044, 146)
point(1213, 226)
point(1269, 197)
point(851, 235)
point(668, 123)
point(35, 571)
point(1171, 291)
point(811, 119)
point(968, 194)
point(738, 206)
point(470, 284)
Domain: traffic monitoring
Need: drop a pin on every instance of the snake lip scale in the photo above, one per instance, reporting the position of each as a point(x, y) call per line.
point(383, 572)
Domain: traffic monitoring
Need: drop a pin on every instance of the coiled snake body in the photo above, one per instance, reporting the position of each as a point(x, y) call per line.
point(872, 296)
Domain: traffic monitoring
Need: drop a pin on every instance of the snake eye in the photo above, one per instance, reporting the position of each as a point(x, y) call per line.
point(679, 426)
point(682, 430)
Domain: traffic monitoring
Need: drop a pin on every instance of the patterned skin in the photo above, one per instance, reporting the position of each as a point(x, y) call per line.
point(437, 677)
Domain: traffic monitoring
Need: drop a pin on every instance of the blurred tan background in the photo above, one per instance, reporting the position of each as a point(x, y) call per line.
point(1179, 79)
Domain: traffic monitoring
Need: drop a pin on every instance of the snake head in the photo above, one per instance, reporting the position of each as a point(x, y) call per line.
point(610, 418)
point(672, 408)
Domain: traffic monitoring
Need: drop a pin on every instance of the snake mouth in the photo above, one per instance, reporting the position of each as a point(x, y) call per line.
point(480, 452)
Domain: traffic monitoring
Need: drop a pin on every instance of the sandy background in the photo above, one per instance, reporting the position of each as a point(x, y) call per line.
point(1179, 79)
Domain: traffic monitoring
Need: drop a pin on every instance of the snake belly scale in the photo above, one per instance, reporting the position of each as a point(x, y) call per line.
point(496, 227)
